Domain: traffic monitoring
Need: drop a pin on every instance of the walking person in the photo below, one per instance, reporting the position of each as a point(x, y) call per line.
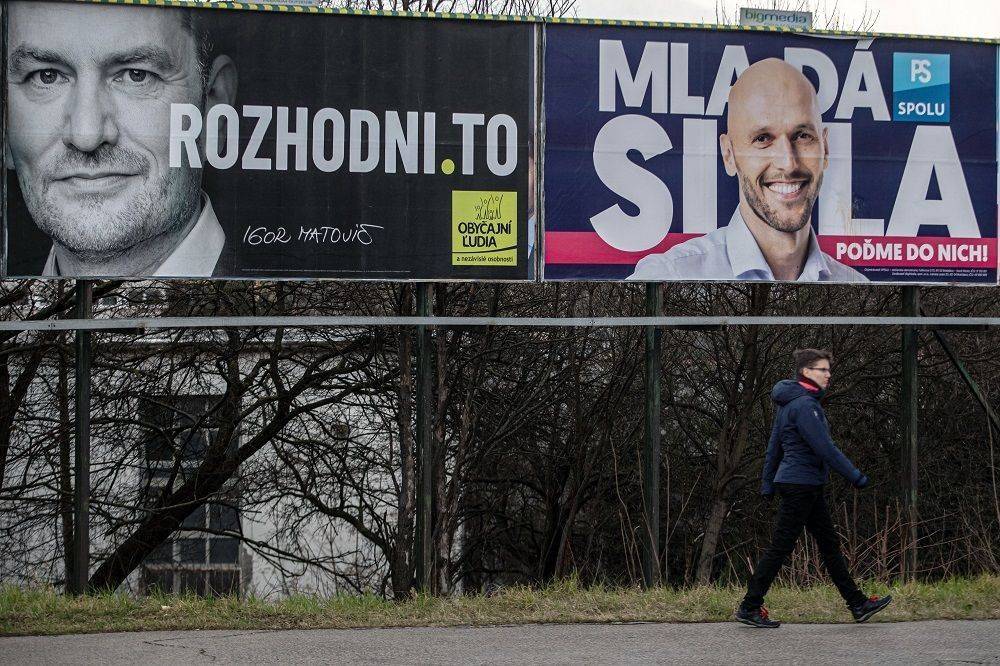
point(799, 456)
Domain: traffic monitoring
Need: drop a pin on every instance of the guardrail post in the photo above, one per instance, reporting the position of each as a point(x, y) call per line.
point(651, 569)
point(425, 444)
point(908, 459)
point(81, 490)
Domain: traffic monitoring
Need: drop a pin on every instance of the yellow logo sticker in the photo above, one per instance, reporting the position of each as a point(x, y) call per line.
point(483, 228)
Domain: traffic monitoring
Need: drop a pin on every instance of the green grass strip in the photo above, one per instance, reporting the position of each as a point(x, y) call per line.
point(44, 611)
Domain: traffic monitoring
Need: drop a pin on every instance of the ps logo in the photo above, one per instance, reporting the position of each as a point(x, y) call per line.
point(921, 87)
point(920, 70)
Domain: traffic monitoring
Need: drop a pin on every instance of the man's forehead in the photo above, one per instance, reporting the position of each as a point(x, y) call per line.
point(57, 26)
point(765, 107)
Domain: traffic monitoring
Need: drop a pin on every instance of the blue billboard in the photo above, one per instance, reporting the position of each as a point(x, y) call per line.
point(696, 154)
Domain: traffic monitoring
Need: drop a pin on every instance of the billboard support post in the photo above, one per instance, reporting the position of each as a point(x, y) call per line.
point(909, 394)
point(651, 569)
point(81, 496)
point(425, 452)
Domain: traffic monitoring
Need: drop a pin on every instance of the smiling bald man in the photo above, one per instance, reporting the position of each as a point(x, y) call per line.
point(776, 146)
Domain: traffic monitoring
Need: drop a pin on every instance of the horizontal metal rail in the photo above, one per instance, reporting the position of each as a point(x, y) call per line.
point(138, 325)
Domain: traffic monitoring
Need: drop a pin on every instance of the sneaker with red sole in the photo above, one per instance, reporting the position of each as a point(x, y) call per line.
point(873, 605)
point(755, 617)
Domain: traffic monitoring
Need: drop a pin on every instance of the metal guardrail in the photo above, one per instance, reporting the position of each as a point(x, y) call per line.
point(152, 323)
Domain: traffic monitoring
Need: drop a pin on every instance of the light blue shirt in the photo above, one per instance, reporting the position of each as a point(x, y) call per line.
point(731, 253)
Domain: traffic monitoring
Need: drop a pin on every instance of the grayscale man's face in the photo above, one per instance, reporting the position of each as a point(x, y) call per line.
point(89, 121)
point(776, 144)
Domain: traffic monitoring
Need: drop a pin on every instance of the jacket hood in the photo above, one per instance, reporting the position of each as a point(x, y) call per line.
point(788, 389)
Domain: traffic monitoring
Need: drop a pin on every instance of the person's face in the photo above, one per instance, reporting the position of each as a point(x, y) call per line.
point(777, 147)
point(89, 121)
point(818, 372)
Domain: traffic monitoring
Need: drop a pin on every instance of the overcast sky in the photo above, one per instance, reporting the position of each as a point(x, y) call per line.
point(956, 18)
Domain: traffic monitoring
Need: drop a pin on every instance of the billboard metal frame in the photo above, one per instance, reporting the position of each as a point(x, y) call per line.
point(691, 322)
point(653, 323)
point(539, 92)
point(652, 566)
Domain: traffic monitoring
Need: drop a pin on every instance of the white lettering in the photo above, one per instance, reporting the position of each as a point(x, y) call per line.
point(297, 139)
point(920, 70)
point(701, 157)
point(734, 62)
point(681, 102)
point(933, 153)
point(469, 122)
point(232, 142)
point(430, 133)
point(509, 127)
point(651, 74)
point(862, 89)
point(365, 132)
point(184, 139)
point(632, 233)
point(336, 159)
point(250, 160)
point(399, 142)
point(836, 199)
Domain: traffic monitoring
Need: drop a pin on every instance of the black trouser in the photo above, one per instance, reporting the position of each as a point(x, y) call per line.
point(802, 506)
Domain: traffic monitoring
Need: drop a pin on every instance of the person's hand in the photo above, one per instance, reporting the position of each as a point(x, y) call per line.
point(862, 482)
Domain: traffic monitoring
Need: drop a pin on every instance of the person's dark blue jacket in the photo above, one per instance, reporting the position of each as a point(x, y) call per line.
point(800, 449)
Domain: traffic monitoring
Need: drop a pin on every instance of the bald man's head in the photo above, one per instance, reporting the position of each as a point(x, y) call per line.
point(776, 144)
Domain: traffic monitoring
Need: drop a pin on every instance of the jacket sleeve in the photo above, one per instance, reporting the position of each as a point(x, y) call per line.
point(815, 432)
point(771, 460)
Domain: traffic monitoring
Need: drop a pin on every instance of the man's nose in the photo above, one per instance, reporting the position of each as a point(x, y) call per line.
point(90, 117)
point(784, 155)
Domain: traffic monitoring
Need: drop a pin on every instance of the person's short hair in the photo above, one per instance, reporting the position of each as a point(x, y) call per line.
point(199, 23)
point(806, 357)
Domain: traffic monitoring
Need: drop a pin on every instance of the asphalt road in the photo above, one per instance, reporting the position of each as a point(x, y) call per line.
point(934, 642)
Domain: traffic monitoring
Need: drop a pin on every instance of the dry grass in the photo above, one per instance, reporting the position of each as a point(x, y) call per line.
point(44, 611)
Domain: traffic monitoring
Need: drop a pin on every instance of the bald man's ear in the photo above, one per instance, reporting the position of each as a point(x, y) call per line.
point(8, 159)
point(728, 159)
point(222, 81)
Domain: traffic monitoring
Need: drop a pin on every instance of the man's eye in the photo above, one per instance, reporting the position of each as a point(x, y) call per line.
point(761, 138)
point(136, 77)
point(46, 77)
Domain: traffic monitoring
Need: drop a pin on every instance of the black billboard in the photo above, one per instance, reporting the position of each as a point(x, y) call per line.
point(232, 143)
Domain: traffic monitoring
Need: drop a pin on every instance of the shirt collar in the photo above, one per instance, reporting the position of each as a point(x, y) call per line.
point(51, 267)
point(199, 252)
point(747, 261)
point(815, 268)
point(195, 256)
point(745, 257)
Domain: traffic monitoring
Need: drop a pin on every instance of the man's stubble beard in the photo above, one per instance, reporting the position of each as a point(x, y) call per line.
point(155, 210)
point(768, 215)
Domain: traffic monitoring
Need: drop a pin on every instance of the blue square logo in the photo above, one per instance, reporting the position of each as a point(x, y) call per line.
point(921, 87)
